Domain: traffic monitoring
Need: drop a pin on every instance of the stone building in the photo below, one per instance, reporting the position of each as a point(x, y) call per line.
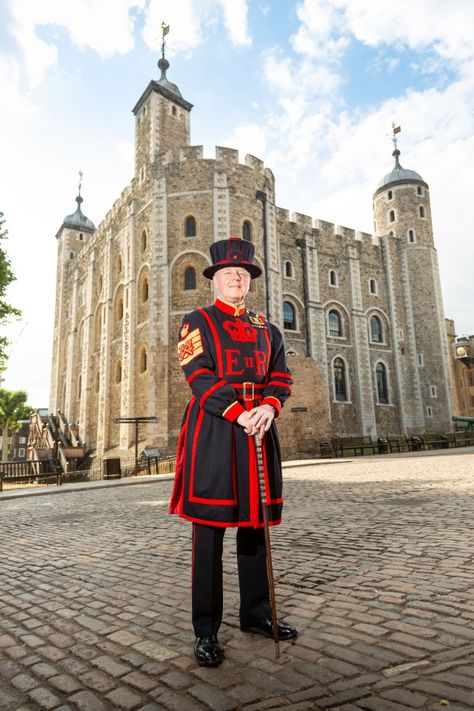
point(362, 314)
point(462, 372)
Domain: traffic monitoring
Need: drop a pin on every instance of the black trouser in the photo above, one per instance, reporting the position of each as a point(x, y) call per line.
point(207, 596)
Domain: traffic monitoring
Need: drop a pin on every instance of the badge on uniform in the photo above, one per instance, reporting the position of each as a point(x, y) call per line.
point(257, 320)
point(190, 347)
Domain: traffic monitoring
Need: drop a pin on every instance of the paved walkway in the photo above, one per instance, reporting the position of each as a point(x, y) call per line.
point(374, 564)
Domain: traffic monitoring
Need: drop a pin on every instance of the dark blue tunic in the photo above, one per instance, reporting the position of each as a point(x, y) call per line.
point(233, 360)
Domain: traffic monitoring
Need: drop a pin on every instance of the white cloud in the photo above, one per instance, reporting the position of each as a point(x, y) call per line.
point(235, 21)
point(191, 20)
point(105, 26)
point(249, 138)
point(327, 26)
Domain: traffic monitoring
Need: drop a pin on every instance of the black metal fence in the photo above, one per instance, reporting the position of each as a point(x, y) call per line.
point(19, 475)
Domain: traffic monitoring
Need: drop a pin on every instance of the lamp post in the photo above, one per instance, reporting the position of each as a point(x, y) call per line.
point(136, 421)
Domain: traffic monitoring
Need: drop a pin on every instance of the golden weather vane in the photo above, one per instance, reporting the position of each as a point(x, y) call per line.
point(164, 31)
point(395, 130)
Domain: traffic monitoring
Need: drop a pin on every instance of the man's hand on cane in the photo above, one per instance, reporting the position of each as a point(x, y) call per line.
point(257, 420)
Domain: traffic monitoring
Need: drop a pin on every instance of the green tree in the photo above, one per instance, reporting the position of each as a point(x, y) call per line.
point(6, 278)
point(13, 409)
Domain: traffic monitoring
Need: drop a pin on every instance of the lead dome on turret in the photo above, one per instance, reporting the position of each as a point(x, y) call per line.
point(398, 174)
point(77, 220)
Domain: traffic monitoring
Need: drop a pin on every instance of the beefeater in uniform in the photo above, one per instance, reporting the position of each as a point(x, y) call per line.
point(234, 362)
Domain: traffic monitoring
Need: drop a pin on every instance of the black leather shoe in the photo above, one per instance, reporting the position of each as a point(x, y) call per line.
point(208, 652)
point(264, 626)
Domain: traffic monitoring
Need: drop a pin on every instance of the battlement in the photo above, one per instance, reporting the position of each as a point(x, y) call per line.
point(191, 153)
point(304, 221)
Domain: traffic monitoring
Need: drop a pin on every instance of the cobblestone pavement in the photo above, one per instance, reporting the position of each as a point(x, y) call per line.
point(374, 564)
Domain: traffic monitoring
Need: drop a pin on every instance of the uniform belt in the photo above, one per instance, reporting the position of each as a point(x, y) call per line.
point(248, 393)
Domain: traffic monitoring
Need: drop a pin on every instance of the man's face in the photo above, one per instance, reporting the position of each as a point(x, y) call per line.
point(232, 284)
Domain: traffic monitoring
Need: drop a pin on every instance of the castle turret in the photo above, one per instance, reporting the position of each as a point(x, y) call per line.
point(402, 205)
point(162, 120)
point(402, 221)
point(70, 294)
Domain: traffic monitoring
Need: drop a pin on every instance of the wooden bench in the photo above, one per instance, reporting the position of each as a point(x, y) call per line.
point(354, 446)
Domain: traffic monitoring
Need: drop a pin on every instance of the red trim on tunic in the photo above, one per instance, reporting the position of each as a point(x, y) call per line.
point(210, 390)
point(192, 497)
point(230, 308)
point(200, 371)
point(177, 496)
point(276, 374)
point(220, 365)
point(233, 412)
point(280, 385)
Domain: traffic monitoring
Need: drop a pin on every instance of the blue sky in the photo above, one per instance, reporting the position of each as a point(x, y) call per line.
point(310, 86)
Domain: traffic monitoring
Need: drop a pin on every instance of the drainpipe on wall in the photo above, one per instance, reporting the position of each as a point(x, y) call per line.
point(301, 244)
point(262, 196)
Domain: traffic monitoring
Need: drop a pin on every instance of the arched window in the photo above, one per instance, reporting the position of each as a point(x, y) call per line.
point(382, 383)
point(289, 269)
point(419, 190)
point(144, 293)
point(118, 371)
point(411, 236)
point(190, 227)
point(392, 215)
point(372, 286)
point(376, 333)
point(143, 241)
point(422, 211)
point(143, 360)
point(190, 279)
point(247, 231)
point(289, 316)
point(334, 323)
point(340, 381)
point(173, 110)
point(390, 195)
point(332, 278)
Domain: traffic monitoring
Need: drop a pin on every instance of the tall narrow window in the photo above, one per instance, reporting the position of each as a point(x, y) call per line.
point(143, 241)
point(392, 215)
point(382, 383)
point(118, 371)
point(372, 286)
point(289, 316)
point(79, 387)
point(247, 231)
point(288, 269)
point(340, 382)
point(120, 310)
point(143, 360)
point(332, 278)
point(144, 290)
point(376, 333)
point(190, 227)
point(335, 324)
point(419, 190)
point(190, 279)
point(422, 211)
point(411, 236)
point(390, 195)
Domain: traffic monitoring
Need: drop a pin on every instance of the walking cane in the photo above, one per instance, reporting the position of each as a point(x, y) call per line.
point(268, 550)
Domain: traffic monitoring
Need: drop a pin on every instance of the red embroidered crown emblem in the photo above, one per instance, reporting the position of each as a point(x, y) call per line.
point(240, 331)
